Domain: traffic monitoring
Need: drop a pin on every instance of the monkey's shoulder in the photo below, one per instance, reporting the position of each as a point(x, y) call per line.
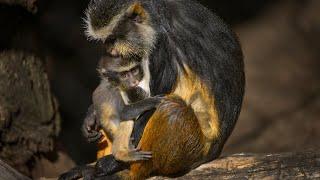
point(105, 94)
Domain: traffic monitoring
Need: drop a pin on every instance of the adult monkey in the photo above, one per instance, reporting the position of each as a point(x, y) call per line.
point(195, 59)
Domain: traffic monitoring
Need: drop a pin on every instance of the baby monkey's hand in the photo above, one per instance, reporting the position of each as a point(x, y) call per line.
point(91, 126)
point(130, 153)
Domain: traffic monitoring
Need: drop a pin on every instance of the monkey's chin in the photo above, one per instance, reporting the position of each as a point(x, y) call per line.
point(136, 94)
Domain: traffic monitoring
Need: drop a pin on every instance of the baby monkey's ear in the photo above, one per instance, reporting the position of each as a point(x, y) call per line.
point(137, 13)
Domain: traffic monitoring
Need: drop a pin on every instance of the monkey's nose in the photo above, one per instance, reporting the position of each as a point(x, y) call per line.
point(114, 52)
point(135, 84)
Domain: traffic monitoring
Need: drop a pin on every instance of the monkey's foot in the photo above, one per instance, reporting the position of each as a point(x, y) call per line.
point(109, 165)
point(134, 154)
point(87, 172)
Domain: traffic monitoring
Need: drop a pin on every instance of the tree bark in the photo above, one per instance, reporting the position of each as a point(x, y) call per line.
point(304, 165)
point(29, 117)
point(8, 173)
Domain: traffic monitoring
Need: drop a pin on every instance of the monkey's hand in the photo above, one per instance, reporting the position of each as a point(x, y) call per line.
point(131, 155)
point(91, 126)
point(159, 98)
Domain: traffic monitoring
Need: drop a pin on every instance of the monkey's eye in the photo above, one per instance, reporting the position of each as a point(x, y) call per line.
point(124, 75)
point(135, 71)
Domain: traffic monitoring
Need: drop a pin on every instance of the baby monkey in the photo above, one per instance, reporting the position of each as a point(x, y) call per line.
point(117, 102)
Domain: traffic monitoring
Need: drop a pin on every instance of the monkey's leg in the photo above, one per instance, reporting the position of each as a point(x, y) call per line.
point(132, 111)
point(123, 150)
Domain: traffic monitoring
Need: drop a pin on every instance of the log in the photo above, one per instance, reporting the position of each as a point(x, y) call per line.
point(8, 173)
point(29, 117)
point(301, 165)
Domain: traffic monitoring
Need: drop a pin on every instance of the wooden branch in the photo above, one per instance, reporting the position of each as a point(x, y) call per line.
point(30, 5)
point(8, 173)
point(304, 165)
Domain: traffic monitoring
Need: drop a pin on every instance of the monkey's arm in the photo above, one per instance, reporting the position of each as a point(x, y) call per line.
point(123, 150)
point(132, 111)
point(91, 126)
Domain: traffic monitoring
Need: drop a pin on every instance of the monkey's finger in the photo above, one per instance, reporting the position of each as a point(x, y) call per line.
point(88, 132)
point(145, 152)
point(142, 154)
point(95, 138)
point(142, 157)
point(139, 158)
point(93, 134)
point(136, 150)
point(146, 156)
point(91, 122)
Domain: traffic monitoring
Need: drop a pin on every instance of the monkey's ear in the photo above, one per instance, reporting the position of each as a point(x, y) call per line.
point(136, 12)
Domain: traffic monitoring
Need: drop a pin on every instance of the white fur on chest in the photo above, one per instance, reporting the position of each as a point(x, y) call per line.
point(145, 82)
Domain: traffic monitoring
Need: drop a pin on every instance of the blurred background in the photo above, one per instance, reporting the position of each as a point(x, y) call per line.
point(280, 41)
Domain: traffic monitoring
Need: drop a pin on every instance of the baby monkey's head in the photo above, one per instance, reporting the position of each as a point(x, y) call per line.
point(121, 73)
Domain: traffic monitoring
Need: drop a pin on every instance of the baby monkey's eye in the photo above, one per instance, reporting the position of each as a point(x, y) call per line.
point(135, 71)
point(124, 75)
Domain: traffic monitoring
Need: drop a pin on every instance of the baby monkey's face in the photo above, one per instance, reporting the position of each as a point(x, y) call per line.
point(130, 79)
point(121, 73)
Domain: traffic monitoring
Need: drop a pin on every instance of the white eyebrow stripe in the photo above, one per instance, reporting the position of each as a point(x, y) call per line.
point(105, 31)
point(126, 67)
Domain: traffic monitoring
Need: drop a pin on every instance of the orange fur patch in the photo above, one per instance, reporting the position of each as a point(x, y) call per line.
point(137, 8)
point(104, 146)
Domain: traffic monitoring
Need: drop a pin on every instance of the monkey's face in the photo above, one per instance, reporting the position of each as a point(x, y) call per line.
point(122, 73)
point(125, 28)
point(130, 79)
point(125, 80)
